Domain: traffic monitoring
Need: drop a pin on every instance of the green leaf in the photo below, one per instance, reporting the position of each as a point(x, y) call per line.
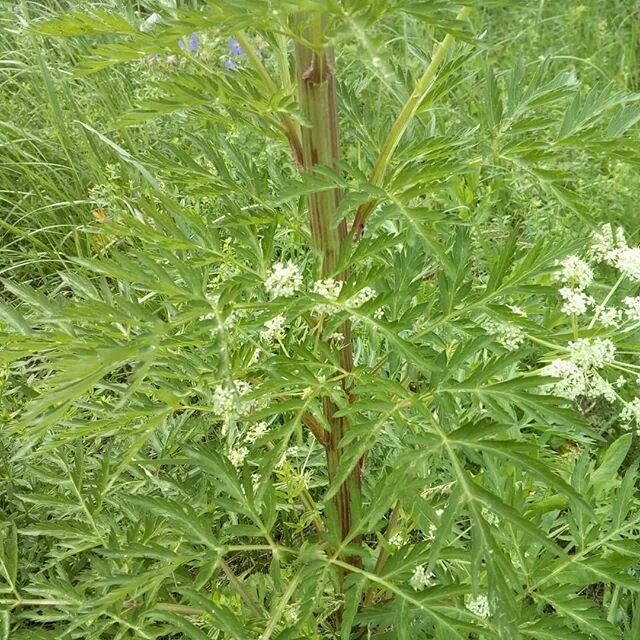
point(513, 451)
point(14, 318)
point(9, 554)
point(612, 460)
point(552, 629)
point(5, 625)
point(582, 612)
point(95, 23)
point(179, 624)
point(182, 515)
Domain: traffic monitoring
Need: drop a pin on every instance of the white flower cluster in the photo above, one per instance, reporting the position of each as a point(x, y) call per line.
point(575, 301)
point(397, 539)
point(284, 280)
point(596, 352)
point(612, 248)
point(573, 382)
point(273, 329)
point(364, 295)
point(576, 273)
point(609, 316)
point(631, 412)
point(632, 305)
point(421, 578)
point(237, 456)
point(255, 431)
point(478, 606)
point(433, 528)
point(601, 388)
point(229, 402)
point(578, 376)
point(490, 517)
point(605, 245)
point(508, 335)
point(628, 261)
point(329, 289)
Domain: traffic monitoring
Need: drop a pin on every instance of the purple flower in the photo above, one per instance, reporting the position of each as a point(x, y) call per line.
point(235, 47)
point(193, 44)
point(229, 64)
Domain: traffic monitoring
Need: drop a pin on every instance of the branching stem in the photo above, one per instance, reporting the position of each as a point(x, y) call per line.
point(291, 129)
point(401, 123)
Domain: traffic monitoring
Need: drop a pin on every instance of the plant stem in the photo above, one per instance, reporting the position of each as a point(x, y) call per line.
point(401, 123)
point(290, 127)
point(320, 145)
point(383, 554)
point(604, 302)
point(239, 587)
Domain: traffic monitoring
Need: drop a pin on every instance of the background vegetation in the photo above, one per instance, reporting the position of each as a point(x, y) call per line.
point(145, 195)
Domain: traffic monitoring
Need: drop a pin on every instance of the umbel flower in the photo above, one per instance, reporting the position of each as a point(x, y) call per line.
point(421, 578)
point(256, 430)
point(596, 352)
point(605, 244)
point(478, 606)
point(509, 336)
point(632, 305)
point(238, 455)
point(575, 301)
point(612, 248)
point(576, 273)
point(628, 261)
point(397, 540)
point(284, 280)
point(578, 375)
point(631, 412)
point(364, 295)
point(572, 380)
point(229, 401)
point(609, 316)
point(273, 329)
point(329, 289)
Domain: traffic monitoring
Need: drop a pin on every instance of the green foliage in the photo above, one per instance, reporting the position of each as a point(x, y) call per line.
point(167, 467)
